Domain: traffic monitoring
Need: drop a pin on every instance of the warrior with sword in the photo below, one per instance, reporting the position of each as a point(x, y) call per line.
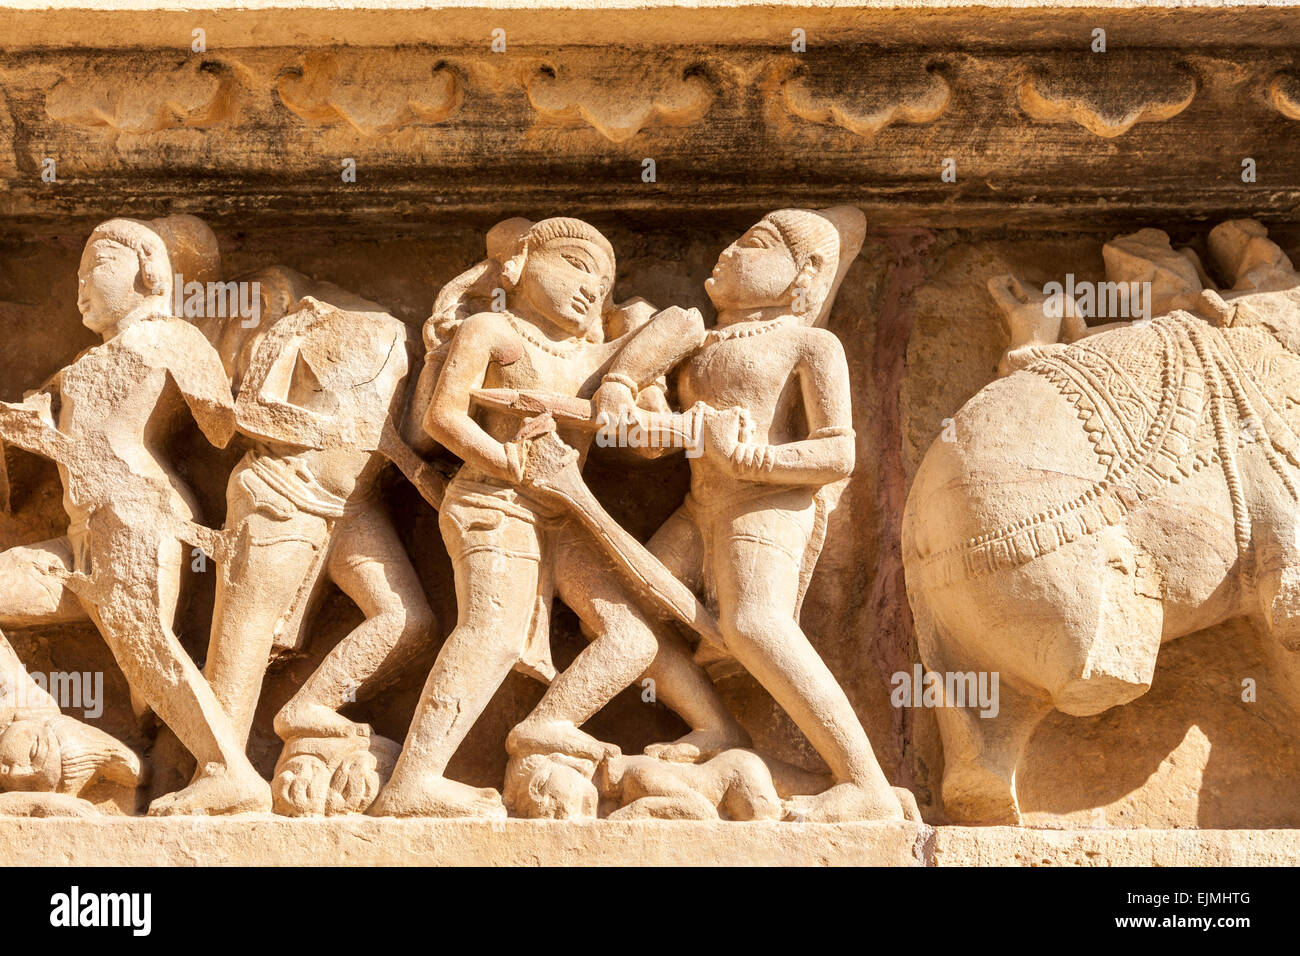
point(515, 543)
point(769, 396)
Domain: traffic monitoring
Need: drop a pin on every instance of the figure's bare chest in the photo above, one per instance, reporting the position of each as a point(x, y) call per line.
point(105, 384)
point(749, 371)
point(567, 371)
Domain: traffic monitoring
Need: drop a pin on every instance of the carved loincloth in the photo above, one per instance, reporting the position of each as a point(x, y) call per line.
point(1158, 404)
point(493, 516)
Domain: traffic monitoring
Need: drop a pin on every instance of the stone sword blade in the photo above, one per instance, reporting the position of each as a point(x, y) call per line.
point(553, 468)
point(561, 477)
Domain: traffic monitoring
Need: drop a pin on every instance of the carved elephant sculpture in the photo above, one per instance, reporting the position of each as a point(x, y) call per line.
point(1125, 491)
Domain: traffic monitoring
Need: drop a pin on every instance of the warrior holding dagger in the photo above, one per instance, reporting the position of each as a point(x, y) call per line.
point(512, 539)
point(771, 424)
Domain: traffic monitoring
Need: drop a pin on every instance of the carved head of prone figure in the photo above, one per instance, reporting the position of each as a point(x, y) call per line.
point(128, 267)
point(792, 259)
point(60, 754)
point(561, 271)
point(1247, 259)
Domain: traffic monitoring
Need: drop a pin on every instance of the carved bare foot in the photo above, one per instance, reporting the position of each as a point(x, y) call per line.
point(215, 791)
point(698, 746)
point(436, 796)
point(315, 720)
point(557, 737)
point(844, 802)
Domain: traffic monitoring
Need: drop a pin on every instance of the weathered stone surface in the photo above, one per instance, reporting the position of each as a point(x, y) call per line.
point(1008, 846)
point(484, 179)
point(361, 841)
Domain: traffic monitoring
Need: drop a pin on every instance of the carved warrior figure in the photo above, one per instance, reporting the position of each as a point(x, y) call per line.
point(513, 546)
point(1133, 488)
point(770, 407)
point(771, 388)
point(103, 420)
point(317, 389)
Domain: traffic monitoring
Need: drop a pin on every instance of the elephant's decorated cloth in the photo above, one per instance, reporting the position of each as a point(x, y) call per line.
point(1159, 401)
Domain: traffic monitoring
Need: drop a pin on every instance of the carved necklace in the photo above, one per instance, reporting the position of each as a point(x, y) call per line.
point(732, 332)
point(546, 345)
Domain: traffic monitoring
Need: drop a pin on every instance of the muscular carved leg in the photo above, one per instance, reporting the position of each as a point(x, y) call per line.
point(757, 591)
point(622, 647)
point(679, 681)
point(254, 593)
point(495, 596)
point(626, 643)
point(370, 565)
point(136, 625)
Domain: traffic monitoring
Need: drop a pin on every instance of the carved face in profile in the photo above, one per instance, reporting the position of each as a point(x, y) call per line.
point(30, 758)
point(566, 281)
point(755, 271)
point(60, 754)
point(109, 284)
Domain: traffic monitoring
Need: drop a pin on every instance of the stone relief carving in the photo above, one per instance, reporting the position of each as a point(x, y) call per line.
point(872, 100)
point(617, 102)
point(1138, 265)
point(1109, 497)
point(316, 389)
point(1127, 481)
point(191, 93)
point(130, 516)
point(368, 93)
point(1108, 95)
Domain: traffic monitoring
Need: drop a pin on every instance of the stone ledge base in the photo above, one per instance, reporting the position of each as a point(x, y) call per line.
point(361, 841)
point(364, 841)
point(1010, 846)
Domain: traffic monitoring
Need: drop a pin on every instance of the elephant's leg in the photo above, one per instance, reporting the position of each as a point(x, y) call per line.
point(1277, 555)
point(1077, 629)
point(981, 756)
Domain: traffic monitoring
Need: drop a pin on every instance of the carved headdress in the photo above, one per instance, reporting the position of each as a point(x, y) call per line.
point(828, 240)
point(508, 244)
point(179, 244)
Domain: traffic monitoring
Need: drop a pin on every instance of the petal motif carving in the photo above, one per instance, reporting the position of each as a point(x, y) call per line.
point(868, 101)
point(618, 101)
point(1107, 95)
point(372, 93)
point(189, 94)
point(1284, 94)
